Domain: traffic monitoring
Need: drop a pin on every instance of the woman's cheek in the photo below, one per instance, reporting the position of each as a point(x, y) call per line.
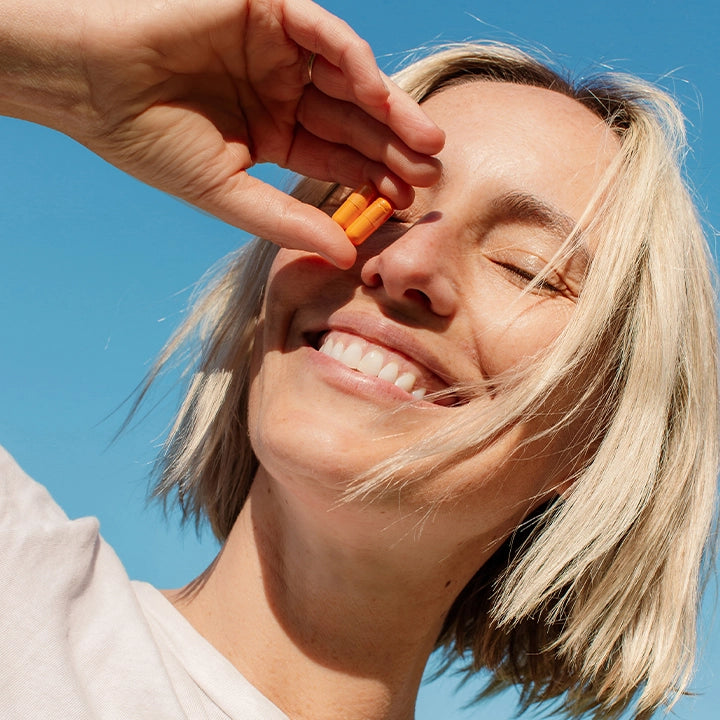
point(509, 339)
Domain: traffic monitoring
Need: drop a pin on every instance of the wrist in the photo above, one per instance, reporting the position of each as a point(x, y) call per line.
point(42, 76)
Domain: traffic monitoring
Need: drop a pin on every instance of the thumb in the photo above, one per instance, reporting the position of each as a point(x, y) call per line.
point(260, 209)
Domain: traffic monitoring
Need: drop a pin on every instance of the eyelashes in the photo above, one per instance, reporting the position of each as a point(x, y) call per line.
point(551, 284)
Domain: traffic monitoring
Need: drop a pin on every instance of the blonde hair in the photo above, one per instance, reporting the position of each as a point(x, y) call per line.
point(593, 601)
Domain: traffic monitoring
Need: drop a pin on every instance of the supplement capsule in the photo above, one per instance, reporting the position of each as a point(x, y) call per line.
point(355, 203)
point(369, 221)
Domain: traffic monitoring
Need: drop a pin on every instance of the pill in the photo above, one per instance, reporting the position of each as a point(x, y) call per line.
point(369, 221)
point(355, 203)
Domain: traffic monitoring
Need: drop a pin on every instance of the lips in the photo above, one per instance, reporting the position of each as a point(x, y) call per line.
point(387, 365)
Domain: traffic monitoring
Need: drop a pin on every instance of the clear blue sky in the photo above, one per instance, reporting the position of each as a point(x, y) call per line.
point(96, 270)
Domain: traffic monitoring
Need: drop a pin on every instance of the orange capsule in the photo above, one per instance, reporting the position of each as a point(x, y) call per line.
point(355, 203)
point(369, 221)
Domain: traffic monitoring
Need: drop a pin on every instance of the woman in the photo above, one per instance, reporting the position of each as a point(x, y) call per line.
point(540, 298)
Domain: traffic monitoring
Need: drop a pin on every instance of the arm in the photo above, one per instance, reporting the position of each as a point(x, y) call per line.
point(188, 95)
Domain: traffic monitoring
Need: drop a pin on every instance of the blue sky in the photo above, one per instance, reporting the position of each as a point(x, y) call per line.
point(97, 270)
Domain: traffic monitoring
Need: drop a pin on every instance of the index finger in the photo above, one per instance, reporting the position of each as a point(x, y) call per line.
point(260, 209)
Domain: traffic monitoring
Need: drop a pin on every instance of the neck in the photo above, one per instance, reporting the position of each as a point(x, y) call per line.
point(326, 618)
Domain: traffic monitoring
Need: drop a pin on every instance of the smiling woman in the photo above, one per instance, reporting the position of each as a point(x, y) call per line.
point(492, 428)
point(505, 407)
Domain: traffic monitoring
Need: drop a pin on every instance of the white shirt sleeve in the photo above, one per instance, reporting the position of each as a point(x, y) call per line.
point(77, 640)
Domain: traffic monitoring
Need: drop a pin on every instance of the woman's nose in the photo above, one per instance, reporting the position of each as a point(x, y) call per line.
point(414, 268)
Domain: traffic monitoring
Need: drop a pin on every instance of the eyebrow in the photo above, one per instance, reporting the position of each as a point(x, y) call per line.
point(528, 208)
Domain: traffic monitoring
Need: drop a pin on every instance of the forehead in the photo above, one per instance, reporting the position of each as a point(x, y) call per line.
point(523, 138)
point(545, 114)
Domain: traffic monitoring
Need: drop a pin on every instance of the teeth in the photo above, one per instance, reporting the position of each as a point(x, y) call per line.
point(406, 381)
point(337, 350)
point(372, 364)
point(389, 372)
point(352, 355)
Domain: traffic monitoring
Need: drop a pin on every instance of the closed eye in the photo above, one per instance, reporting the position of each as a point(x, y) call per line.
point(552, 285)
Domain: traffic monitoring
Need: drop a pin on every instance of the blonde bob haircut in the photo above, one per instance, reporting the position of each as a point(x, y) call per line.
point(593, 602)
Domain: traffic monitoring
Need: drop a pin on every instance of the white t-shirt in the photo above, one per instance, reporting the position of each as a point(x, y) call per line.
point(79, 640)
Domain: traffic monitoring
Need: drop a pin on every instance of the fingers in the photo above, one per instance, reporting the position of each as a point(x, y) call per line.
point(346, 124)
point(401, 113)
point(260, 209)
point(327, 36)
point(345, 69)
point(409, 121)
point(323, 160)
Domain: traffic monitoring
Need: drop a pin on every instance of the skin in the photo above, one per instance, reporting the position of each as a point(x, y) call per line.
point(188, 95)
point(332, 609)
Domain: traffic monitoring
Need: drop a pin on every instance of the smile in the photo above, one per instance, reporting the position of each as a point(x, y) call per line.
point(379, 362)
point(372, 363)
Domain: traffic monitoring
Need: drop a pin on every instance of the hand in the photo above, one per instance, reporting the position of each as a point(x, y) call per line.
point(188, 95)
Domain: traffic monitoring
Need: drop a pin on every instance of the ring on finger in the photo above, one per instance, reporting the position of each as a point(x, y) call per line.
point(310, 63)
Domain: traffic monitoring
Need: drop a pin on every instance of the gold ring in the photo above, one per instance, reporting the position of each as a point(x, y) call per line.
point(310, 63)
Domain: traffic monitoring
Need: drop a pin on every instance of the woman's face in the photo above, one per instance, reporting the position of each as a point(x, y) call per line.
point(434, 299)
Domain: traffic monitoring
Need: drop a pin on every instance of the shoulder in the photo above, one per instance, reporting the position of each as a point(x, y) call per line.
point(23, 499)
point(69, 617)
point(85, 642)
point(47, 561)
point(36, 537)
